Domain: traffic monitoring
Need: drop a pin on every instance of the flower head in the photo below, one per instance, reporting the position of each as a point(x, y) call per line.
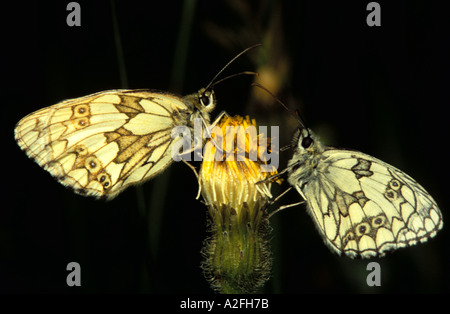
point(237, 258)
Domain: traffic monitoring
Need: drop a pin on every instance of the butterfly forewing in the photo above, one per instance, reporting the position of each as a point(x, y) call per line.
point(101, 143)
point(362, 206)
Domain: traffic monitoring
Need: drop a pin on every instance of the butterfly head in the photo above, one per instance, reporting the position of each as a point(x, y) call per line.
point(303, 139)
point(306, 142)
point(307, 153)
point(206, 100)
point(200, 104)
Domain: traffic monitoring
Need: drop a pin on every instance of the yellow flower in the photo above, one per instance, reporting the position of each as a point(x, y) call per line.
point(237, 257)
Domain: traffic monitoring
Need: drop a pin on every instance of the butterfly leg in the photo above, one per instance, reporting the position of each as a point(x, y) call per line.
point(197, 176)
point(211, 127)
point(284, 206)
point(217, 120)
point(280, 196)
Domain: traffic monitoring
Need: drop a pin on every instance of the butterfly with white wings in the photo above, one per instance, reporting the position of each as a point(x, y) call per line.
point(102, 143)
point(362, 206)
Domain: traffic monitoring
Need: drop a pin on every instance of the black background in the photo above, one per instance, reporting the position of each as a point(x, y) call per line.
point(381, 90)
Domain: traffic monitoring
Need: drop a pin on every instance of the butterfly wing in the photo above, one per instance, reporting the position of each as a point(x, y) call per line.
point(365, 207)
point(101, 143)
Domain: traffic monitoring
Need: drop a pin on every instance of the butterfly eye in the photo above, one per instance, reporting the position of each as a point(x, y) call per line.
point(204, 99)
point(306, 142)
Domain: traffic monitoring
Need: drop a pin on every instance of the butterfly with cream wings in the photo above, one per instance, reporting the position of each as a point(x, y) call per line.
point(102, 143)
point(362, 206)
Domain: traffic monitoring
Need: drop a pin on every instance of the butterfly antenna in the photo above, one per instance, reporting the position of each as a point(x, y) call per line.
point(233, 75)
point(296, 115)
point(230, 62)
